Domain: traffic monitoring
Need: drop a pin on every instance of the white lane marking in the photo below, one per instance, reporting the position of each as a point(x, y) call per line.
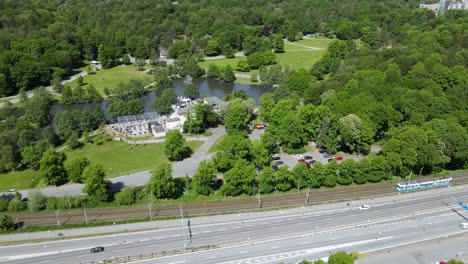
point(211, 257)
point(177, 262)
point(275, 247)
point(160, 237)
point(45, 261)
point(222, 229)
point(117, 250)
point(80, 256)
point(294, 254)
point(175, 235)
point(143, 240)
point(243, 252)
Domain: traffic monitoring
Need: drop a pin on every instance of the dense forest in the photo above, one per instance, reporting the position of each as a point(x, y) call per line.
point(396, 75)
point(44, 40)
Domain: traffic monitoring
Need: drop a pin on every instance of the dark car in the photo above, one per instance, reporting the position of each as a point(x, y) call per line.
point(96, 249)
point(279, 162)
point(308, 158)
point(275, 157)
point(322, 151)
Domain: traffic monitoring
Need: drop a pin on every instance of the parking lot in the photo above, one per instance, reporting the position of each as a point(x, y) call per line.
point(291, 161)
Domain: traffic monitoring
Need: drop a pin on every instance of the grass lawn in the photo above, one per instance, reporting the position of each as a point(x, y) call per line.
point(299, 59)
point(318, 43)
point(111, 77)
point(18, 179)
point(118, 158)
point(215, 145)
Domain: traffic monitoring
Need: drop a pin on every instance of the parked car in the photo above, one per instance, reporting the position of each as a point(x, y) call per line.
point(279, 162)
point(260, 126)
point(326, 155)
point(307, 163)
point(322, 151)
point(275, 157)
point(364, 207)
point(339, 158)
point(463, 225)
point(298, 156)
point(308, 158)
point(96, 249)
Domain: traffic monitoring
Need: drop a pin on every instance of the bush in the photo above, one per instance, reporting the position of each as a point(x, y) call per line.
point(16, 206)
point(3, 205)
point(126, 196)
point(208, 133)
point(294, 151)
point(36, 201)
point(77, 202)
point(63, 203)
point(51, 203)
point(6, 223)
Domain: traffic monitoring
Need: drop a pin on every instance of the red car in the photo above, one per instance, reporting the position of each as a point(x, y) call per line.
point(260, 126)
point(339, 158)
point(303, 160)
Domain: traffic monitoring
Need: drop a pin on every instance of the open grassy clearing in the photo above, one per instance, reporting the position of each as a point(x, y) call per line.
point(111, 77)
point(19, 179)
point(118, 158)
point(300, 59)
point(315, 42)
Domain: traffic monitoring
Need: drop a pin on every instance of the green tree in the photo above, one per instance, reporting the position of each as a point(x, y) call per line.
point(212, 48)
point(243, 66)
point(161, 184)
point(204, 179)
point(36, 201)
point(16, 205)
point(240, 179)
point(126, 60)
point(266, 180)
point(192, 91)
point(341, 257)
point(283, 179)
point(96, 187)
point(51, 167)
point(67, 95)
point(455, 261)
point(75, 169)
point(37, 108)
point(300, 174)
point(163, 103)
point(174, 146)
point(6, 223)
point(278, 44)
point(236, 119)
point(49, 135)
point(228, 74)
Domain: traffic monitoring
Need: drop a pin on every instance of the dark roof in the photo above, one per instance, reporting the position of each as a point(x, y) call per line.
point(158, 129)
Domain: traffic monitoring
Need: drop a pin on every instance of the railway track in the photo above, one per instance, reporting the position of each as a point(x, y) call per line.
point(290, 199)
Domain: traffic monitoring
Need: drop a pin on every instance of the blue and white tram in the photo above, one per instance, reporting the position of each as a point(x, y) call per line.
point(422, 184)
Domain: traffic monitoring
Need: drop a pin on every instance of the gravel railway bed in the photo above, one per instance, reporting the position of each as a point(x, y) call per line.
point(251, 203)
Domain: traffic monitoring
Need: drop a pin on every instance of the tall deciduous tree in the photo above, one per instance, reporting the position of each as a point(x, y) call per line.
point(240, 179)
point(174, 146)
point(51, 167)
point(161, 184)
point(96, 187)
point(204, 179)
point(236, 119)
point(75, 169)
point(192, 91)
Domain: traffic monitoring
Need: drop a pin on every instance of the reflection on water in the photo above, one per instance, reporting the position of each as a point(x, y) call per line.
point(206, 86)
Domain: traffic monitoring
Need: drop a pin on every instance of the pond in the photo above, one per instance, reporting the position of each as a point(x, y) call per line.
point(206, 87)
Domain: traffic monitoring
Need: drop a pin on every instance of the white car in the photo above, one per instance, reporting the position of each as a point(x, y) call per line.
point(464, 225)
point(298, 156)
point(364, 207)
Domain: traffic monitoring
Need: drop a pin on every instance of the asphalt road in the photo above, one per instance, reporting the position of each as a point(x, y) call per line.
point(288, 236)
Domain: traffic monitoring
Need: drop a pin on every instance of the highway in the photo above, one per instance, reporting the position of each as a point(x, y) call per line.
point(281, 236)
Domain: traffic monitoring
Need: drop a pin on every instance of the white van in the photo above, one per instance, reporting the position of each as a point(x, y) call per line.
point(464, 225)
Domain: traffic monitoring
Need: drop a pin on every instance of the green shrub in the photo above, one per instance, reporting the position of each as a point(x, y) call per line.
point(36, 201)
point(63, 203)
point(3, 205)
point(16, 206)
point(51, 203)
point(6, 223)
point(294, 151)
point(126, 196)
